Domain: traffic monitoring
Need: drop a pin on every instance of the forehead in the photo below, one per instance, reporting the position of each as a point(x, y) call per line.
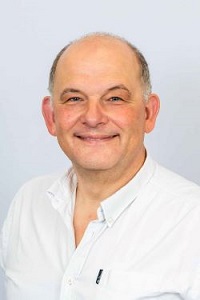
point(98, 56)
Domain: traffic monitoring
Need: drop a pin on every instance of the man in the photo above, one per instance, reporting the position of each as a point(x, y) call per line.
point(117, 225)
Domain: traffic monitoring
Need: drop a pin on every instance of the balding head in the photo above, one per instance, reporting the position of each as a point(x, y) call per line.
point(110, 43)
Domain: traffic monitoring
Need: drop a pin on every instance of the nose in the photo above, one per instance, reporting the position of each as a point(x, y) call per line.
point(94, 114)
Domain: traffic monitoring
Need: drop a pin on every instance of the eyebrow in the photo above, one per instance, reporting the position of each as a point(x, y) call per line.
point(119, 87)
point(70, 90)
point(113, 88)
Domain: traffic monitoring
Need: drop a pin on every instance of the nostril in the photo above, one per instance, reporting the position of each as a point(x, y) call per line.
point(94, 115)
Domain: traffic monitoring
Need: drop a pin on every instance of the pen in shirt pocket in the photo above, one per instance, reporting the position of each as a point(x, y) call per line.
point(99, 276)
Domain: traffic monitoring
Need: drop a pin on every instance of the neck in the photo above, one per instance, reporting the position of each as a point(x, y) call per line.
point(96, 185)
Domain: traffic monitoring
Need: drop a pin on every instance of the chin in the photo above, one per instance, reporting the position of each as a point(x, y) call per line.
point(94, 165)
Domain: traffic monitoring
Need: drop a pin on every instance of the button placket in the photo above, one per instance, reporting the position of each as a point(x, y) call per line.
point(79, 257)
point(70, 280)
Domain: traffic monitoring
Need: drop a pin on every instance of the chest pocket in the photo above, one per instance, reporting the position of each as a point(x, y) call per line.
point(120, 285)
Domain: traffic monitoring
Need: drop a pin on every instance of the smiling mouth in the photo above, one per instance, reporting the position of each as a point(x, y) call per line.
point(96, 138)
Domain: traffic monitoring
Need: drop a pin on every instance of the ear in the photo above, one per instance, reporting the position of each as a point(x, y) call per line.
point(152, 109)
point(48, 114)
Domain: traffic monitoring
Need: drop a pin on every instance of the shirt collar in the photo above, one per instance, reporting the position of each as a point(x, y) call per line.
point(113, 206)
point(62, 193)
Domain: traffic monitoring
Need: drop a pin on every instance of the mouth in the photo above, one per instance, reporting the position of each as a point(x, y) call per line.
point(95, 138)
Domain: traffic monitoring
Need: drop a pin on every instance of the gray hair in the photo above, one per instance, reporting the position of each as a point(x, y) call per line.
point(144, 69)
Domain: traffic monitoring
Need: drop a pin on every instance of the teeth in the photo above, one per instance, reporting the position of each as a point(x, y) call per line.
point(96, 138)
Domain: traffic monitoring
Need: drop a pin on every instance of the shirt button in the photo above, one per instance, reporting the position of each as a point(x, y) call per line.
point(110, 220)
point(69, 281)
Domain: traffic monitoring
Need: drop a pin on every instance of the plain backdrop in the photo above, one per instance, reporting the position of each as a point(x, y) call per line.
point(33, 31)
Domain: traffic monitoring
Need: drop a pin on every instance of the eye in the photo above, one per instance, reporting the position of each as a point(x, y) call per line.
point(116, 99)
point(74, 99)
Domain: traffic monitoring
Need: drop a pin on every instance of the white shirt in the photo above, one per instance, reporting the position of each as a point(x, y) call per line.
point(145, 243)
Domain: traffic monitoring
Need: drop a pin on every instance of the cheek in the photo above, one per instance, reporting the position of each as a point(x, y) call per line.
point(130, 119)
point(65, 119)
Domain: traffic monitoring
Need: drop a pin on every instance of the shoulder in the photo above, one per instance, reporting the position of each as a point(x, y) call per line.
point(39, 183)
point(175, 186)
point(31, 195)
point(30, 205)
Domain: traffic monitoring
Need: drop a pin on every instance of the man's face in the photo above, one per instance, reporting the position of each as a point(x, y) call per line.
point(99, 115)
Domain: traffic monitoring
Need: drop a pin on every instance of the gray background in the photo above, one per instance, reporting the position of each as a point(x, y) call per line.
point(33, 31)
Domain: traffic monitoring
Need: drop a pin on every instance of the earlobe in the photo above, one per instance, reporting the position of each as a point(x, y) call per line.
point(48, 114)
point(152, 110)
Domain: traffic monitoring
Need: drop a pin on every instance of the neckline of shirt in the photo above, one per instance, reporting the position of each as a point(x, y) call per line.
point(113, 206)
point(62, 193)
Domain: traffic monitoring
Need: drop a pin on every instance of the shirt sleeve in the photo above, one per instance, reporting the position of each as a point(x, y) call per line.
point(5, 234)
point(1, 250)
point(193, 241)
